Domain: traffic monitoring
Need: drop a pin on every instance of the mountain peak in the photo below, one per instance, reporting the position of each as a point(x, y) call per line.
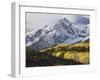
point(64, 23)
point(62, 32)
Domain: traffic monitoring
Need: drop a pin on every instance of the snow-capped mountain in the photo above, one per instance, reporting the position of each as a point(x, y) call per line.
point(62, 32)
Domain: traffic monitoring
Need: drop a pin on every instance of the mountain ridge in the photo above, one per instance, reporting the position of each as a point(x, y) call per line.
point(62, 32)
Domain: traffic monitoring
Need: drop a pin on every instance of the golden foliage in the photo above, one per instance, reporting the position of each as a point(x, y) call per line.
point(78, 52)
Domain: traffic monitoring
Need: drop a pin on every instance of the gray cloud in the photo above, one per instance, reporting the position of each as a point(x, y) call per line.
point(36, 21)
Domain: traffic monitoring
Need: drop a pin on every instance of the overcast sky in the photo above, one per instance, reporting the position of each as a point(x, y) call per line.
point(36, 21)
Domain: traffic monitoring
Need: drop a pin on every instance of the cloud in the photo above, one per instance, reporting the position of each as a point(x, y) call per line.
point(35, 21)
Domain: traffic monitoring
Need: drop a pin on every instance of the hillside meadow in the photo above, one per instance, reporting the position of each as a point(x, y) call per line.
point(63, 54)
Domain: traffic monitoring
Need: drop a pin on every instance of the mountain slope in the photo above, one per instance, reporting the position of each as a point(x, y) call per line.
point(63, 54)
point(62, 32)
